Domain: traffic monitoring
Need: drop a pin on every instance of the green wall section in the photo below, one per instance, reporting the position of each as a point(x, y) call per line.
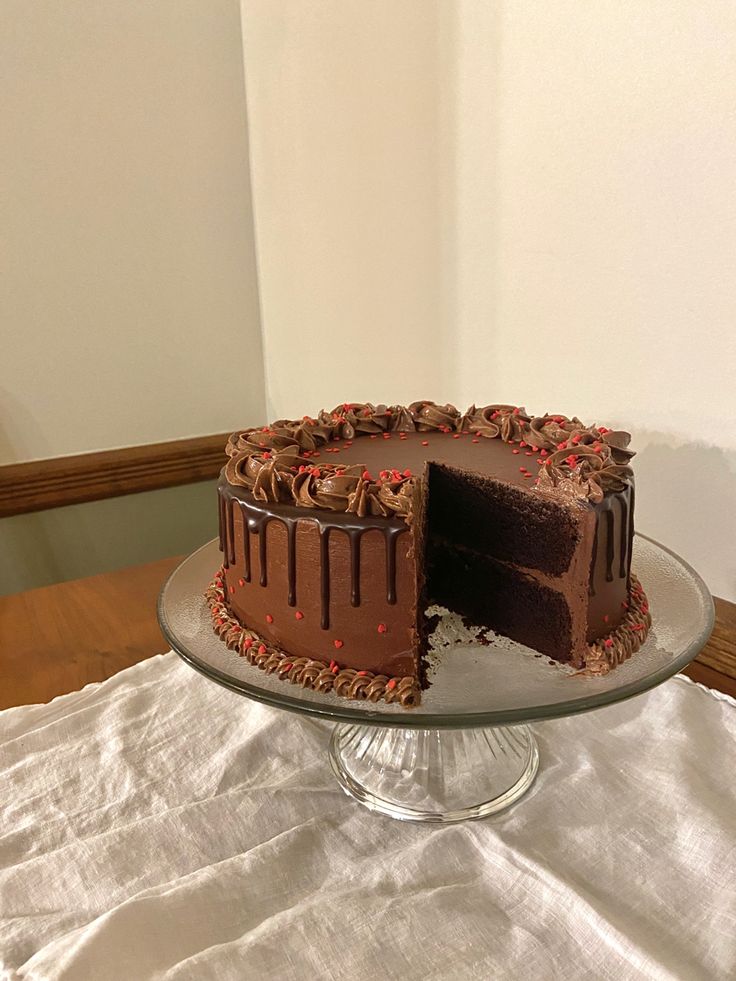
point(85, 539)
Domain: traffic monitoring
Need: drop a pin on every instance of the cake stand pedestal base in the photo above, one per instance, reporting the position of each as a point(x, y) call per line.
point(434, 775)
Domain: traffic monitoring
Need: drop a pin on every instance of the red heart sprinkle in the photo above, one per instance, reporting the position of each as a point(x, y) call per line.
point(338, 644)
point(299, 615)
point(269, 618)
point(382, 628)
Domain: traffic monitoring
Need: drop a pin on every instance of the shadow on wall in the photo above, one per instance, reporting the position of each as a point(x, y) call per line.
point(686, 499)
point(16, 418)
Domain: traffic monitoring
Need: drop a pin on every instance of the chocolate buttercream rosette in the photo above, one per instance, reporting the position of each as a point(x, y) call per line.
point(277, 463)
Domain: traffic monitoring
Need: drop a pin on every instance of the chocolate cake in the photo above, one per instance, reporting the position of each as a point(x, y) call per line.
point(337, 533)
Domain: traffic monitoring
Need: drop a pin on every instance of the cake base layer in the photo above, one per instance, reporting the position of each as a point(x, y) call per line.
point(491, 593)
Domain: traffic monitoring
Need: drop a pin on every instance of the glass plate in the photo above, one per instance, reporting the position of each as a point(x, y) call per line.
point(473, 685)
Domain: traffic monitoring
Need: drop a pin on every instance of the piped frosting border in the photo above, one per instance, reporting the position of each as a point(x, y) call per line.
point(278, 463)
point(603, 655)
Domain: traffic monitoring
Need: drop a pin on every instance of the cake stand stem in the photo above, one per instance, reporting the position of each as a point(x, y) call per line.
point(434, 775)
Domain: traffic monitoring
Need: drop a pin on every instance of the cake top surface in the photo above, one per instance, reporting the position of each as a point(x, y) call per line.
point(365, 459)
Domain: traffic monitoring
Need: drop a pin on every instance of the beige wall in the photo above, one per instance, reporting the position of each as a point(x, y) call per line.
point(127, 266)
point(127, 239)
point(510, 201)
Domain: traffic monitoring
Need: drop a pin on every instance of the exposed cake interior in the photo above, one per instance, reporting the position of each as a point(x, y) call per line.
point(502, 558)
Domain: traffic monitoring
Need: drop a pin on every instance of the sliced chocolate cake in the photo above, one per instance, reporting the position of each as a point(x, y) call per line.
point(338, 531)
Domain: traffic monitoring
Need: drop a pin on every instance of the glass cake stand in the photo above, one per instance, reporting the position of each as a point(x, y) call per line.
point(467, 750)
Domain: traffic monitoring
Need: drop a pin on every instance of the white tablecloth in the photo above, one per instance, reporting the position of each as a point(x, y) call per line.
point(158, 826)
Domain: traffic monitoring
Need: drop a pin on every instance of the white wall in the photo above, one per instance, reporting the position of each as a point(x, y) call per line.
point(510, 201)
point(126, 245)
point(343, 108)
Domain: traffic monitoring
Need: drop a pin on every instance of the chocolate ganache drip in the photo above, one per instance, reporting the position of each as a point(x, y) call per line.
point(255, 521)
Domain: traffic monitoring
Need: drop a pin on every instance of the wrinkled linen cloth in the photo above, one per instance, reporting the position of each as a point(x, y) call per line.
point(159, 826)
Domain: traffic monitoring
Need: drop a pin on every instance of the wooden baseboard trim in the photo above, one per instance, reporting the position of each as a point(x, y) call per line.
point(57, 482)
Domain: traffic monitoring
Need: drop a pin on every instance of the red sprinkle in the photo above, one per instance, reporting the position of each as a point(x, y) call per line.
point(562, 445)
point(374, 436)
point(241, 582)
point(523, 469)
point(338, 644)
point(248, 642)
point(476, 441)
point(522, 444)
point(608, 642)
point(262, 649)
point(456, 435)
point(407, 473)
point(269, 618)
point(362, 674)
point(529, 453)
point(286, 667)
point(299, 615)
point(382, 628)
point(366, 475)
point(391, 683)
point(335, 670)
point(425, 442)
point(516, 452)
point(231, 588)
point(605, 618)
point(543, 453)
